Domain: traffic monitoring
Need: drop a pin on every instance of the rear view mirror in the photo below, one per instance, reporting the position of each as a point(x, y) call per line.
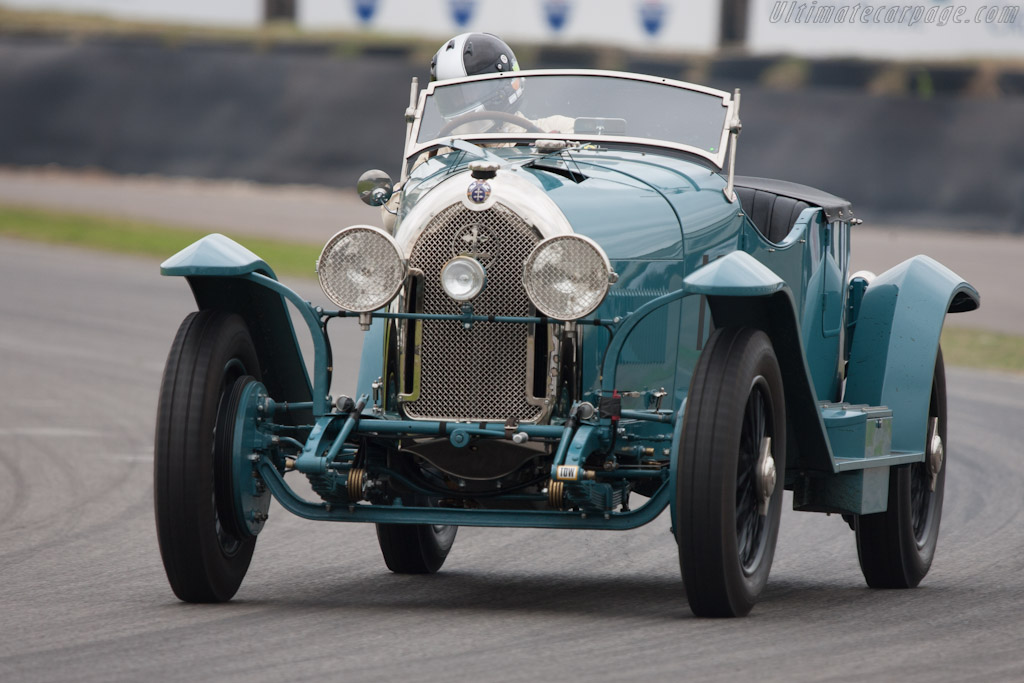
point(375, 187)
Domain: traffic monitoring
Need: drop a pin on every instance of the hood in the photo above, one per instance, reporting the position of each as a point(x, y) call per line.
point(636, 205)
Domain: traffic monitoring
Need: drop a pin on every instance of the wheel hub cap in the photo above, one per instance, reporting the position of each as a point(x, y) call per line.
point(767, 477)
point(936, 451)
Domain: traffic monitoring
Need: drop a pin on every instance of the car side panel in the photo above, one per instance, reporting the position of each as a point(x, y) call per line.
point(812, 260)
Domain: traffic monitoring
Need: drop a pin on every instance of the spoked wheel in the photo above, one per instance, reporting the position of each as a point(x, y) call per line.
point(211, 369)
point(729, 497)
point(415, 548)
point(896, 547)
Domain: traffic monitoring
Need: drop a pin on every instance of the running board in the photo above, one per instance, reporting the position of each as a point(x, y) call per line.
point(861, 441)
point(860, 435)
point(897, 458)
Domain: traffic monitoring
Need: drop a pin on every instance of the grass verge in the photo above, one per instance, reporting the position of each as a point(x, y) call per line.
point(142, 238)
point(984, 350)
point(961, 346)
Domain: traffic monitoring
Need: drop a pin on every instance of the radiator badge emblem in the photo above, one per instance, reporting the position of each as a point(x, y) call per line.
point(478, 191)
point(475, 240)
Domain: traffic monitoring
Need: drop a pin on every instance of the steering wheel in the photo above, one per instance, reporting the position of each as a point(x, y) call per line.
point(514, 119)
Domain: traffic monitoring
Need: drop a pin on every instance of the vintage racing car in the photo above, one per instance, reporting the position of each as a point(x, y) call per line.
point(575, 316)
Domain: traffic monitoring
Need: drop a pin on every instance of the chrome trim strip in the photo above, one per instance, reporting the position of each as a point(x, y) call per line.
point(415, 338)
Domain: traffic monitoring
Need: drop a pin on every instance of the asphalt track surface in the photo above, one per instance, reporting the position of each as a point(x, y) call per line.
point(82, 343)
point(83, 597)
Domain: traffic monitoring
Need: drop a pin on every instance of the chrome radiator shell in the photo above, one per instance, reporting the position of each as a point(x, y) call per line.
point(485, 373)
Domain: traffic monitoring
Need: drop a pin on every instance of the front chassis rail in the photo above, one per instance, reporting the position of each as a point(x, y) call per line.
point(397, 513)
point(332, 451)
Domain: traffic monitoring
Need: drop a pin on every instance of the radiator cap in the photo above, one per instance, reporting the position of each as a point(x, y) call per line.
point(483, 170)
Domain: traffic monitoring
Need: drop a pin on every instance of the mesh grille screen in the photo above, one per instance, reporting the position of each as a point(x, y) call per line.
point(477, 374)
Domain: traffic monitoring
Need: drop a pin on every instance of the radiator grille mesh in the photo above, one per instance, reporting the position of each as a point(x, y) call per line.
point(481, 373)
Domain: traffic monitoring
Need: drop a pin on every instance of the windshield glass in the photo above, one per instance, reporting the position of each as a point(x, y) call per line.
point(577, 106)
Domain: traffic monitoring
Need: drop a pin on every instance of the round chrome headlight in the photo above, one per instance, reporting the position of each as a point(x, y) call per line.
point(361, 269)
point(567, 276)
point(463, 278)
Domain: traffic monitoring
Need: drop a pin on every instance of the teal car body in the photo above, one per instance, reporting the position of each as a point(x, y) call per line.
point(488, 411)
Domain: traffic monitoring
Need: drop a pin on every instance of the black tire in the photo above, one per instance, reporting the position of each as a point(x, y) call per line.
point(411, 548)
point(726, 546)
point(415, 548)
point(896, 547)
point(206, 551)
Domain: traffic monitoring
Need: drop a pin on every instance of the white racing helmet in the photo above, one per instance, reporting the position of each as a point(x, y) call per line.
point(471, 54)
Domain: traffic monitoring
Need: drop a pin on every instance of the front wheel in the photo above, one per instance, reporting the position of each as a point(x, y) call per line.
point(896, 547)
point(415, 548)
point(205, 547)
point(728, 496)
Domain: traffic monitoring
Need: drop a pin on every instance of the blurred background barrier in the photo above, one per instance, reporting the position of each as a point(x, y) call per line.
point(908, 139)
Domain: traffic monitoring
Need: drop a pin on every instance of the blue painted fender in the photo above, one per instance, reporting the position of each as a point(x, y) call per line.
point(215, 256)
point(742, 291)
point(224, 275)
point(896, 340)
point(673, 470)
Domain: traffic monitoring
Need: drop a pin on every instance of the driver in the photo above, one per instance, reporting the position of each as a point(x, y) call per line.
point(471, 54)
